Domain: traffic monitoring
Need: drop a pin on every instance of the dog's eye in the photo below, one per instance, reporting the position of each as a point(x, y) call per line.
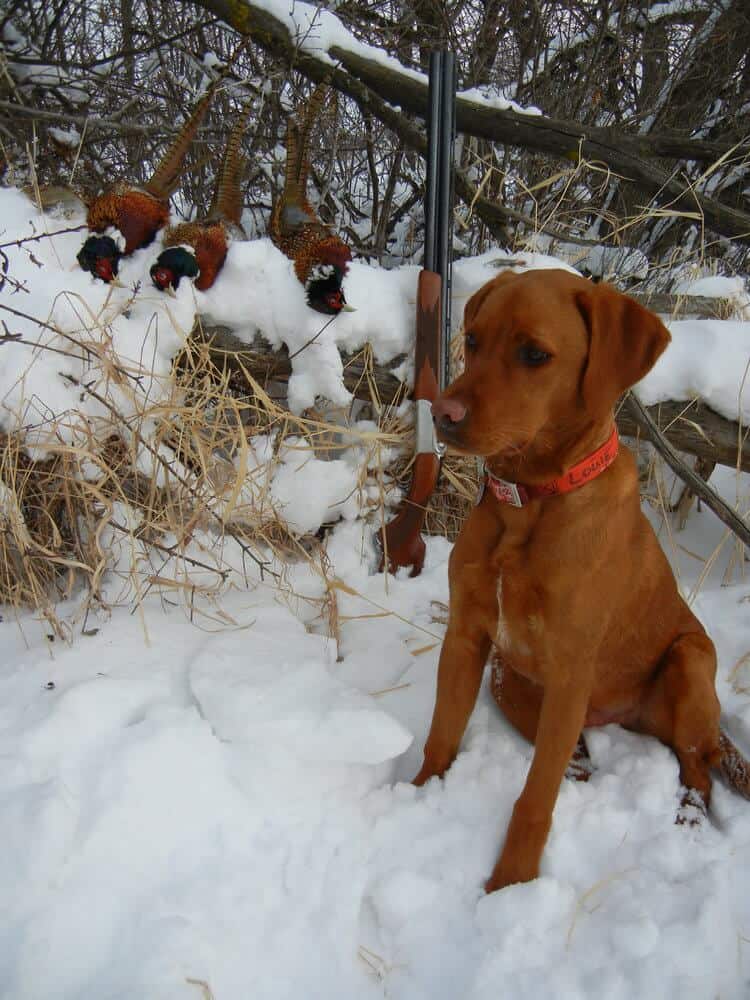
point(470, 342)
point(529, 354)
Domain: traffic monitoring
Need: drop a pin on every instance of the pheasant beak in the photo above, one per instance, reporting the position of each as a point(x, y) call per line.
point(170, 291)
point(347, 308)
point(117, 283)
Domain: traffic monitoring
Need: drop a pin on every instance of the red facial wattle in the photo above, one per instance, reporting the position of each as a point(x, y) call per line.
point(162, 277)
point(103, 269)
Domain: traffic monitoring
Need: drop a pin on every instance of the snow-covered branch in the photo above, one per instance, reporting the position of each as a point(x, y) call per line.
point(318, 45)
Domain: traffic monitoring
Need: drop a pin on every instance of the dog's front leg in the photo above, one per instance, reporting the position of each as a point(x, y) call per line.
point(560, 723)
point(462, 660)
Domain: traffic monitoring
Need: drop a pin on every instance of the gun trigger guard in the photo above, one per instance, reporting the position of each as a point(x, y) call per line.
point(482, 477)
point(426, 440)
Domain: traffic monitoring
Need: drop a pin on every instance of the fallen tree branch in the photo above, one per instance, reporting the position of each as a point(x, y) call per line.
point(266, 364)
point(676, 306)
point(701, 489)
point(690, 427)
point(696, 429)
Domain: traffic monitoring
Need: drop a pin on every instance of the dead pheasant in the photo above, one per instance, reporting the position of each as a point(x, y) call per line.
point(137, 212)
point(198, 249)
point(321, 259)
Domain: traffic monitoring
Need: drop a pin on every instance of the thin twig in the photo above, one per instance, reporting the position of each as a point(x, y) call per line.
point(42, 236)
point(701, 489)
point(312, 339)
point(173, 553)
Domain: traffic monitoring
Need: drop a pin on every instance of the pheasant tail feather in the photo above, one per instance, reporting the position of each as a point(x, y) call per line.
point(298, 143)
point(227, 200)
point(165, 178)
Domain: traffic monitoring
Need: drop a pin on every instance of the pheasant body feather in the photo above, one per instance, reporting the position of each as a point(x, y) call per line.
point(137, 213)
point(321, 258)
point(206, 241)
point(209, 244)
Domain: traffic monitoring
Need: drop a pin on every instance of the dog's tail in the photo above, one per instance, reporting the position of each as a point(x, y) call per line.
point(733, 766)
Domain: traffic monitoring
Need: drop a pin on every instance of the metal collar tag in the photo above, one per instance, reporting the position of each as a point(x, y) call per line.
point(507, 492)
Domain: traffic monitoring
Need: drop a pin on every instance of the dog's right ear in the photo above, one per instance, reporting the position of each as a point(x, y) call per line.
point(625, 341)
point(474, 303)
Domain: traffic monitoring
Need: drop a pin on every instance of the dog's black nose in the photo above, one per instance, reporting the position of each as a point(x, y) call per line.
point(448, 410)
point(448, 413)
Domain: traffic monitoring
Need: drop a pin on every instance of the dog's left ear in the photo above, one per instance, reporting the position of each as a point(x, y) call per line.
point(625, 341)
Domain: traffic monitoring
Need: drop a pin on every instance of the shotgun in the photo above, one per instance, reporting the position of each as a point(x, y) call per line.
point(402, 541)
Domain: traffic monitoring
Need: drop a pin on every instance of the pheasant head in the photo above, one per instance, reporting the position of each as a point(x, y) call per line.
point(172, 265)
point(323, 287)
point(100, 255)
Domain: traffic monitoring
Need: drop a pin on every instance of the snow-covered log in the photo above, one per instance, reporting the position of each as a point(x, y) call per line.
point(690, 427)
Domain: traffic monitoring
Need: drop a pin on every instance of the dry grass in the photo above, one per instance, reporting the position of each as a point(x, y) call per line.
point(157, 499)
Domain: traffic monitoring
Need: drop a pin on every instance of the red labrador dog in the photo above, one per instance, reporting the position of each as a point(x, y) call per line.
point(557, 573)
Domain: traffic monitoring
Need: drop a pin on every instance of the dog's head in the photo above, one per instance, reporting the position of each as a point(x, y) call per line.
point(547, 353)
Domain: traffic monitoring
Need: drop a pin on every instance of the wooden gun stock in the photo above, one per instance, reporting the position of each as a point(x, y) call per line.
point(402, 542)
point(401, 538)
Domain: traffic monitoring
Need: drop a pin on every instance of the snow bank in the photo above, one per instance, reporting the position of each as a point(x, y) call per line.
point(231, 808)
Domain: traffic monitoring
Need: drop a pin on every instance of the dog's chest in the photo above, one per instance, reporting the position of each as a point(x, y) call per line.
point(520, 619)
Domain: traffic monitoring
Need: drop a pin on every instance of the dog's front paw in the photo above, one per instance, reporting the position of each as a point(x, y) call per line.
point(426, 772)
point(693, 809)
point(510, 874)
point(581, 767)
point(436, 763)
point(514, 865)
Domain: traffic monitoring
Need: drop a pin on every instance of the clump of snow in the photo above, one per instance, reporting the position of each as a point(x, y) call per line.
point(734, 289)
point(66, 137)
point(310, 492)
point(500, 102)
point(706, 358)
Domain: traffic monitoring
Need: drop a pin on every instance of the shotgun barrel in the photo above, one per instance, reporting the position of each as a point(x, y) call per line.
point(402, 541)
point(445, 211)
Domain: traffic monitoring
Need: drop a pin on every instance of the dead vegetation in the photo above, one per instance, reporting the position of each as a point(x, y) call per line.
point(159, 499)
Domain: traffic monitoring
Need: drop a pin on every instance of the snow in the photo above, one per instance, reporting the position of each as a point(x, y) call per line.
point(218, 792)
point(231, 807)
point(66, 137)
point(310, 491)
point(734, 289)
point(707, 358)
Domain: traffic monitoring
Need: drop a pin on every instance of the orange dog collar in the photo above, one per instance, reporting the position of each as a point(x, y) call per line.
point(578, 475)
